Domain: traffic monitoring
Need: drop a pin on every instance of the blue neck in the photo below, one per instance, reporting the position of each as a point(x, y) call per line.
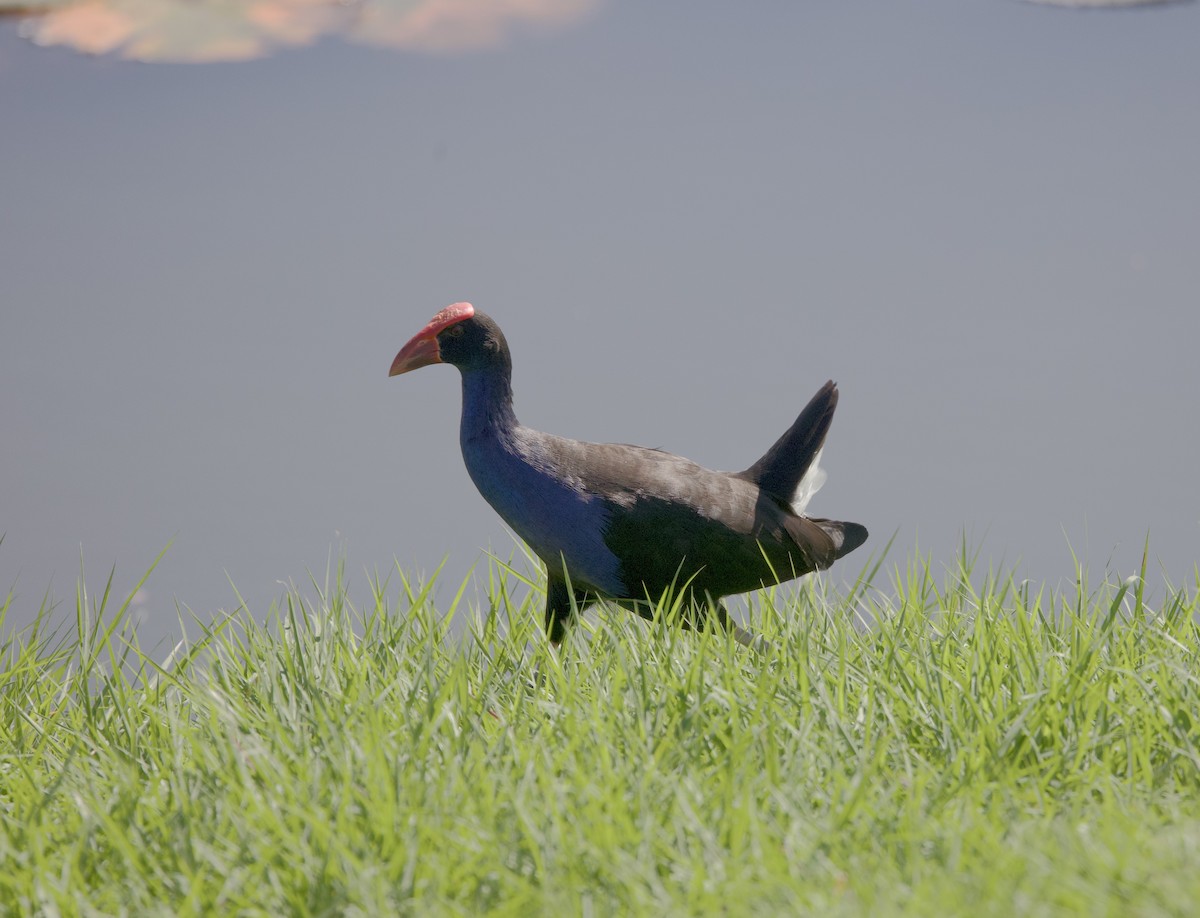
point(487, 409)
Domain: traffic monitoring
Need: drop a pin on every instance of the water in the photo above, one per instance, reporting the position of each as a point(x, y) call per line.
point(980, 219)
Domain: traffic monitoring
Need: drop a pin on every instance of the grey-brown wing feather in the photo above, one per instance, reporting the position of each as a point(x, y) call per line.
point(671, 522)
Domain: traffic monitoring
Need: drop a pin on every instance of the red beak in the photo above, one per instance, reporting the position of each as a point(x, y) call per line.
point(423, 349)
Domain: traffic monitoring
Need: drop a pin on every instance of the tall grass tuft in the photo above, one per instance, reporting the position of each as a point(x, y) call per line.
point(964, 744)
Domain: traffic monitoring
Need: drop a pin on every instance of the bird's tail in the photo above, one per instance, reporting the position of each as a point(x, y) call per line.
point(821, 542)
point(846, 536)
point(790, 468)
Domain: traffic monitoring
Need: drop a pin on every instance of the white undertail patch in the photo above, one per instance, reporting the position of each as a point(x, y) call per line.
point(809, 485)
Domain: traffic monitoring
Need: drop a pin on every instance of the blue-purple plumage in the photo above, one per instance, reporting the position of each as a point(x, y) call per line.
point(626, 522)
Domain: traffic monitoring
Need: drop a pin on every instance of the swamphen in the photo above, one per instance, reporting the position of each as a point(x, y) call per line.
point(629, 523)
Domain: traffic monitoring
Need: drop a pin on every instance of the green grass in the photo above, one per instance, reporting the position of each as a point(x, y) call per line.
point(976, 750)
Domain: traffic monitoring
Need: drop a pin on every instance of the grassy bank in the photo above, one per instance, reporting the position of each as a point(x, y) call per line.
point(975, 750)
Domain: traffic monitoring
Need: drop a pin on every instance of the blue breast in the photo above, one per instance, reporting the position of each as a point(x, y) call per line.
point(516, 473)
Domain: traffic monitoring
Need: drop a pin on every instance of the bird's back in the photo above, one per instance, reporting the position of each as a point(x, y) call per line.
point(669, 521)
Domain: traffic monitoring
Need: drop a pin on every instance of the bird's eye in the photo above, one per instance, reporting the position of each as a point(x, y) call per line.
point(455, 331)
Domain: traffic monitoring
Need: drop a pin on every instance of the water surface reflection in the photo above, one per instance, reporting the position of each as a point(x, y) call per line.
point(197, 31)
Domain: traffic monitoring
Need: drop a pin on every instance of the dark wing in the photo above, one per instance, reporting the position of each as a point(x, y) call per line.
point(670, 522)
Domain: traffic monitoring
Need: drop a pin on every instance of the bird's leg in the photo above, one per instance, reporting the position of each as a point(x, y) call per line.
point(740, 634)
point(562, 604)
point(558, 609)
point(560, 614)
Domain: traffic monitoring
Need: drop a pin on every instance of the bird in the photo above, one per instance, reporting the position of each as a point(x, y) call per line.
point(633, 524)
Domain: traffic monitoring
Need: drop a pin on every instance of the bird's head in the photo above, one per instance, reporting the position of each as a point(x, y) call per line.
point(458, 335)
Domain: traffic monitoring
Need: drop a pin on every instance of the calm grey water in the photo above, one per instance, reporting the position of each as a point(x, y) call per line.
point(982, 219)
